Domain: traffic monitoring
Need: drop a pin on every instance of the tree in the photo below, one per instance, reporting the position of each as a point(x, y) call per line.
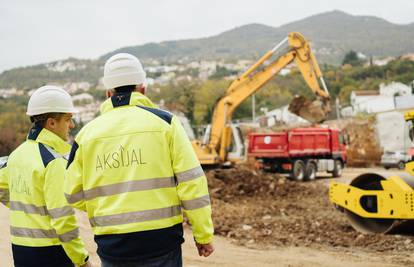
point(344, 95)
point(14, 126)
point(206, 97)
point(352, 58)
point(222, 72)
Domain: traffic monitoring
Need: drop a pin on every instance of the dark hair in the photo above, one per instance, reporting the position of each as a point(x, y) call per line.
point(40, 120)
point(125, 88)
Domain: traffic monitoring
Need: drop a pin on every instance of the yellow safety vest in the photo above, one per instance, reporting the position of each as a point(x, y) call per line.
point(133, 169)
point(31, 185)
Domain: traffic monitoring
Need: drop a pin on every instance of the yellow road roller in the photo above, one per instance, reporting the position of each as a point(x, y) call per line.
point(377, 204)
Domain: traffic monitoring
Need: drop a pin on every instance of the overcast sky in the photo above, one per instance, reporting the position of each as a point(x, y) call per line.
point(40, 31)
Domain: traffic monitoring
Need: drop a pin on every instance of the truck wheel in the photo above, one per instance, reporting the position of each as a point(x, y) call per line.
point(401, 165)
point(310, 171)
point(337, 171)
point(298, 170)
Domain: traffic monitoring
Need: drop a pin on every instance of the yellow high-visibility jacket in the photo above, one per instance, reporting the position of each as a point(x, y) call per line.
point(133, 170)
point(43, 226)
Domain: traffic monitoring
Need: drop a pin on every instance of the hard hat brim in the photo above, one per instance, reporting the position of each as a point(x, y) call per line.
point(51, 110)
point(123, 79)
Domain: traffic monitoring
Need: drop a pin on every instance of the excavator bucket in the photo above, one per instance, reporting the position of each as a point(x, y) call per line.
point(314, 111)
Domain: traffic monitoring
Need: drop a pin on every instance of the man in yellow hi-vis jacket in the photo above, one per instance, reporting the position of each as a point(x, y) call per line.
point(43, 226)
point(134, 171)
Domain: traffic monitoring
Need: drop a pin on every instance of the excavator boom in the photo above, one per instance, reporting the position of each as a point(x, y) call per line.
point(216, 149)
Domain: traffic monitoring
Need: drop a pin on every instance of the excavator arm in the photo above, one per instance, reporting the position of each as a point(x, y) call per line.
point(255, 78)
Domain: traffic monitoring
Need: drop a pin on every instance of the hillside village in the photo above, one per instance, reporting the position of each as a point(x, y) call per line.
point(389, 96)
point(158, 74)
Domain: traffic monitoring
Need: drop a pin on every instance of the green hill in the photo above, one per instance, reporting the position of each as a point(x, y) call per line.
point(332, 35)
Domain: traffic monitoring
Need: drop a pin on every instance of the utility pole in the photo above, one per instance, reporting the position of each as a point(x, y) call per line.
point(253, 108)
point(337, 108)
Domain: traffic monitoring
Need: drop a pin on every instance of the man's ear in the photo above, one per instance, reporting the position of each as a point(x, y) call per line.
point(109, 93)
point(50, 123)
point(141, 89)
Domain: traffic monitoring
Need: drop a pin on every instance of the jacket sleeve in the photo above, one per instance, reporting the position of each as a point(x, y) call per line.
point(4, 186)
point(73, 184)
point(62, 215)
point(191, 184)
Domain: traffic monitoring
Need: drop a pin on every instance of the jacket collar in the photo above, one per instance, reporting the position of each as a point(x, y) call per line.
point(126, 99)
point(46, 137)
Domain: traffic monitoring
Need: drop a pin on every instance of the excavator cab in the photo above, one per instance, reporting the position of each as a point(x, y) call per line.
point(409, 118)
point(410, 125)
point(235, 148)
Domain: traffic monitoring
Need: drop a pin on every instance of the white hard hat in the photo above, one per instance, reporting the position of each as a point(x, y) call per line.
point(123, 69)
point(48, 99)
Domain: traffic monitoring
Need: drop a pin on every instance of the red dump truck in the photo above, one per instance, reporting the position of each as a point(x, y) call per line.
point(301, 152)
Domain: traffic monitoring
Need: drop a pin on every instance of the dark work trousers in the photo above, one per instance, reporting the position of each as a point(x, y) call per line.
point(171, 259)
point(63, 265)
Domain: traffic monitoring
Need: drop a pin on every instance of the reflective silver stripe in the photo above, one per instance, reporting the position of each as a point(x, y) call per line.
point(130, 186)
point(33, 233)
point(137, 216)
point(61, 212)
point(196, 203)
point(4, 196)
point(53, 152)
point(75, 197)
point(119, 188)
point(69, 236)
point(190, 174)
point(28, 208)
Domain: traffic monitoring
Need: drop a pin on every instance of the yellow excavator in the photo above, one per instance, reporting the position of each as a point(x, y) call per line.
point(222, 142)
point(377, 204)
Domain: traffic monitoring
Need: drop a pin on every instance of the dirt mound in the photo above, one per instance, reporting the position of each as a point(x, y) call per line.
point(364, 149)
point(261, 210)
point(230, 184)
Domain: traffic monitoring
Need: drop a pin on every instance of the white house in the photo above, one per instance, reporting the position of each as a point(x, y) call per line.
point(161, 69)
point(165, 78)
point(9, 92)
point(404, 102)
point(382, 61)
point(394, 95)
point(392, 131)
point(84, 97)
point(193, 65)
point(73, 87)
point(394, 89)
point(87, 112)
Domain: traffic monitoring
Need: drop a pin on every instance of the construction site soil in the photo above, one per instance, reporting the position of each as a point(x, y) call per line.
point(265, 210)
